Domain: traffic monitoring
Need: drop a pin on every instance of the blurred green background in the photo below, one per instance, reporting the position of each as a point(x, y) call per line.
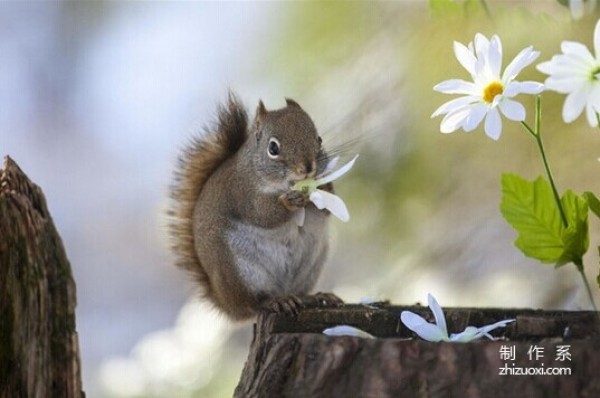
point(97, 99)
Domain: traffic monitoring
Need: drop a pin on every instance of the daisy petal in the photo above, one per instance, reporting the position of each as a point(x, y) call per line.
point(493, 124)
point(593, 106)
point(454, 120)
point(457, 86)
point(564, 86)
point(514, 88)
point(454, 104)
point(482, 45)
point(513, 110)
point(420, 326)
point(465, 57)
point(577, 50)
point(333, 203)
point(523, 59)
point(475, 117)
point(590, 115)
point(495, 57)
point(574, 105)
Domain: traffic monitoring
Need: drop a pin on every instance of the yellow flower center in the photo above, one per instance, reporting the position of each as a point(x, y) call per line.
point(491, 91)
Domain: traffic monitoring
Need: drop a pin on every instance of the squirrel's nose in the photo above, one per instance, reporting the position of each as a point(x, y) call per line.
point(307, 168)
point(310, 167)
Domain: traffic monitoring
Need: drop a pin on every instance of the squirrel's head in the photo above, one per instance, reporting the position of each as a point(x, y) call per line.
point(287, 146)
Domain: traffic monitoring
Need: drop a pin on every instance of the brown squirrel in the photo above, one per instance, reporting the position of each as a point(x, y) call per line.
point(232, 215)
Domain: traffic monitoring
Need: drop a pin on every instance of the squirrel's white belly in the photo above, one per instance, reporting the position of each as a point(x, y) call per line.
point(279, 261)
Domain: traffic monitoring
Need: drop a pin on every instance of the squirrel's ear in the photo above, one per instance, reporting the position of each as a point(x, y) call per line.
point(292, 104)
point(261, 112)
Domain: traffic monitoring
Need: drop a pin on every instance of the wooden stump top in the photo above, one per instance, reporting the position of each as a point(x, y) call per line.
point(290, 357)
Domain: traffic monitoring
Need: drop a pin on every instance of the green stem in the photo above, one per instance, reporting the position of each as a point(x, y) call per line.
point(587, 288)
point(537, 135)
point(486, 9)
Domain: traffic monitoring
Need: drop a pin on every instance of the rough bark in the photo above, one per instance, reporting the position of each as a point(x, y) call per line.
point(39, 351)
point(290, 357)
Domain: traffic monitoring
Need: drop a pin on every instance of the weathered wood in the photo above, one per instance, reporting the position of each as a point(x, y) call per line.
point(39, 351)
point(290, 357)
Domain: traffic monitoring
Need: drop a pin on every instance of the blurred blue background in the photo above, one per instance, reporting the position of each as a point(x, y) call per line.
point(96, 99)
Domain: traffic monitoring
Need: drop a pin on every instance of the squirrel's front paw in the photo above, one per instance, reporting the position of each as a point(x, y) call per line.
point(294, 200)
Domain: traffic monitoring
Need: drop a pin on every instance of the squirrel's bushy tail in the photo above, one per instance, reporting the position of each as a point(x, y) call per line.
point(198, 160)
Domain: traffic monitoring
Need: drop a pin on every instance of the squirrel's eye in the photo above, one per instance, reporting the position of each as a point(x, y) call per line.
point(274, 148)
point(320, 140)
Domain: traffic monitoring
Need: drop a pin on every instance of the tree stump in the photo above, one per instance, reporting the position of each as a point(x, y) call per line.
point(39, 350)
point(290, 357)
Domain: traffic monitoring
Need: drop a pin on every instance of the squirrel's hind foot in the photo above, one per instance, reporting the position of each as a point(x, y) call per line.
point(291, 304)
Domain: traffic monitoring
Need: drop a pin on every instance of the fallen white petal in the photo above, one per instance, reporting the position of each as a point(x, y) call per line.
point(438, 314)
point(425, 330)
point(330, 166)
point(333, 203)
point(469, 334)
point(367, 300)
point(338, 173)
point(346, 330)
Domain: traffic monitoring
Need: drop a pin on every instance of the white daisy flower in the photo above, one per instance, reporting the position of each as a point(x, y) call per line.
point(439, 332)
point(323, 199)
point(490, 93)
point(576, 72)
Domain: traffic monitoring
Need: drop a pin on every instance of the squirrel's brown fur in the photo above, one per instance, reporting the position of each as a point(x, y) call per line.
point(199, 159)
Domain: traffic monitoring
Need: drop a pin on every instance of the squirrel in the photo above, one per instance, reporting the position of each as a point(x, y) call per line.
point(232, 219)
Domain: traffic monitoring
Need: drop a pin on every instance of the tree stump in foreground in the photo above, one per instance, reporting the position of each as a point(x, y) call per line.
point(290, 357)
point(39, 351)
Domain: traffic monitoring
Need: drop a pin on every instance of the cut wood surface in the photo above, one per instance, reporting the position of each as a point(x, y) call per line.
point(290, 357)
point(39, 351)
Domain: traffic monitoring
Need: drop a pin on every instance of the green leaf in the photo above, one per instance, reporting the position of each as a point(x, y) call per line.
point(575, 235)
point(593, 203)
point(531, 210)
